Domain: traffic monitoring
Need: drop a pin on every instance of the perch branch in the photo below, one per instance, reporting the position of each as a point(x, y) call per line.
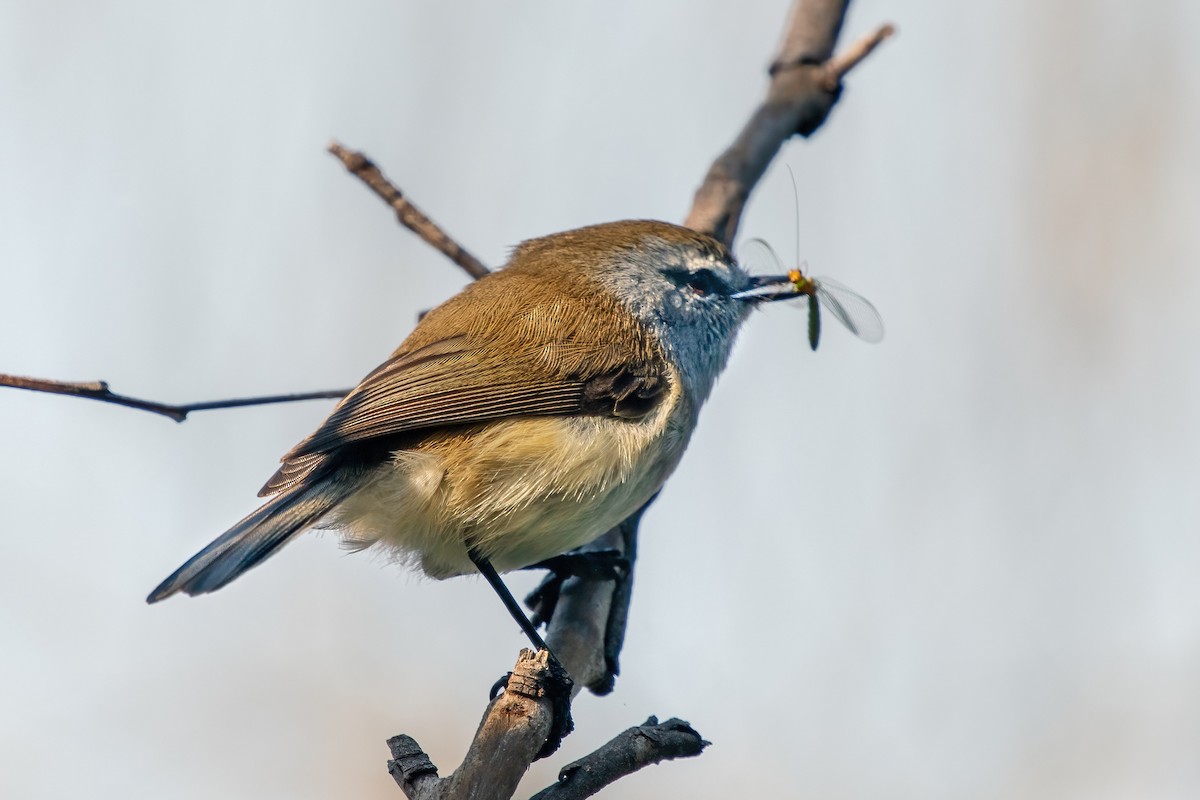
point(512, 734)
point(806, 81)
point(408, 214)
point(625, 754)
point(98, 390)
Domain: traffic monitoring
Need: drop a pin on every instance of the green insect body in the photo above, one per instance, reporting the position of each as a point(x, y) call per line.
point(814, 320)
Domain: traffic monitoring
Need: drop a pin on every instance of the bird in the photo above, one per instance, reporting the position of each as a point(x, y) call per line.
point(522, 418)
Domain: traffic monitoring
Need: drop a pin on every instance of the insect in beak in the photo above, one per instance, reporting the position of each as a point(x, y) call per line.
point(851, 309)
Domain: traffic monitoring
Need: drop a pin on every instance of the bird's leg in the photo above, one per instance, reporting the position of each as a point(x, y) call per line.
point(514, 608)
point(559, 692)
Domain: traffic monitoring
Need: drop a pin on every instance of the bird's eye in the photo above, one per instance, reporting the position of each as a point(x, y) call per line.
point(703, 282)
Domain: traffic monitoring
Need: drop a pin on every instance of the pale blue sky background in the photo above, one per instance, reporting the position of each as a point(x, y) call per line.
point(959, 564)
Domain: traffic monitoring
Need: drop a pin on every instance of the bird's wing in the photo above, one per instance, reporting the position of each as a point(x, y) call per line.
point(459, 369)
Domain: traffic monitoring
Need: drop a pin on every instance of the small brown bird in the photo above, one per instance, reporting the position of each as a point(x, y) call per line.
point(522, 418)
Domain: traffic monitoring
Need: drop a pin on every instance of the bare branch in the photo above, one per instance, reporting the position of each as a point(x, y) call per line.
point(513, 733)
point(625, 754)
point(408, 214)
point(805, 85)
point(98, 390)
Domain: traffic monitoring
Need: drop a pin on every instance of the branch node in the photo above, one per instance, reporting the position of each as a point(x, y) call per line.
point(409, 765)
point(526, 679)
point(541, 676)
point(836, 68)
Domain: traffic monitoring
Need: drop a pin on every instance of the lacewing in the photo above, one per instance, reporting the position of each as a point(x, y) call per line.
point(850, 308)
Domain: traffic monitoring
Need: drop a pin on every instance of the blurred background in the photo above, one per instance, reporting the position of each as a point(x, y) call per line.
point(959, 564)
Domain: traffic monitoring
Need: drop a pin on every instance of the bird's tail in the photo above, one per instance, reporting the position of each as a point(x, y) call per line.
point(254, 539)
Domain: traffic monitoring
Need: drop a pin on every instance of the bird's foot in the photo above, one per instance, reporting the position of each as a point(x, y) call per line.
point(596, 565)
point(554, 684)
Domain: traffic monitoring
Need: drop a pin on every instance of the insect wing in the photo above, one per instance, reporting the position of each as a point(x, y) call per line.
point(851, 309)
point(756, 256)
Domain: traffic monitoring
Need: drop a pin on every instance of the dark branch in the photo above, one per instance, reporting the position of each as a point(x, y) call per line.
point(514, 732)
point(98, 390)
point(408, 214)
point(628, 752)
point(805, 85)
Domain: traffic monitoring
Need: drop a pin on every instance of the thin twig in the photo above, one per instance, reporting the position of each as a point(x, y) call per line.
point(408, 214)
point(625, 754)
point(98, 390)
point(837, 67)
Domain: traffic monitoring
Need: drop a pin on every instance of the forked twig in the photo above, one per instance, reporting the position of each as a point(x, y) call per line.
point(806, 82)
point(837, 67)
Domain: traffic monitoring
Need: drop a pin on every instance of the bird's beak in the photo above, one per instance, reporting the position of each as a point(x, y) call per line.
point(766, 288)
